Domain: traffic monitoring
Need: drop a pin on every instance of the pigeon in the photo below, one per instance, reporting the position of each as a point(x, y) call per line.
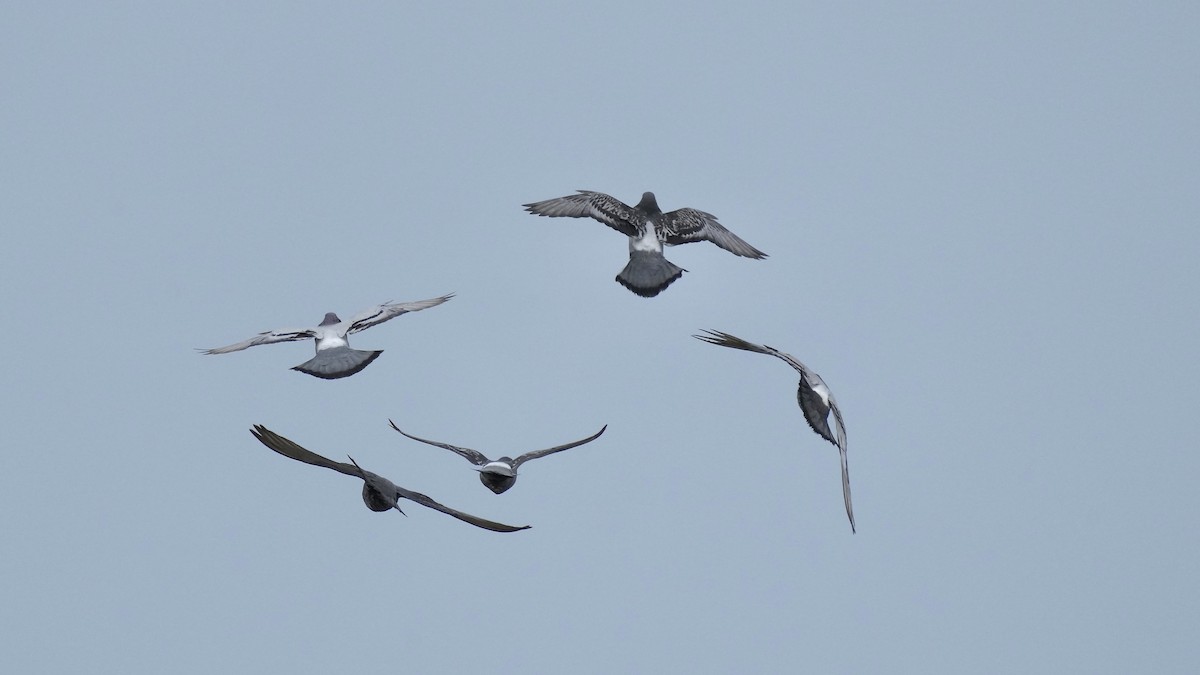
point(499, 475)
point(335, 359)
point(816, 402)
point(649, 229)
point(378, 493)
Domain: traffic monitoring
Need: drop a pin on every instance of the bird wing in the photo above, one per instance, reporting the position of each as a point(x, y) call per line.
point(473, 456)
point(424, 500)
point(716, 337)
point(587, 204)
point(558, 448)
point(390, 310)
point(684, 226)
point(841, 444)
point(264, 338)
point(290, 449)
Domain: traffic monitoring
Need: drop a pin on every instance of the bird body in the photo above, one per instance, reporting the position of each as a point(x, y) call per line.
point(334, 358)
point(815, 399)
point(498, 475)
point(378, 493)
point(648, 272)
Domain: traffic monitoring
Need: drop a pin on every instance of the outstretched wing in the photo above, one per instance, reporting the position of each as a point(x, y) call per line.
point(687, 225)
point(473, 456)
point(290, 449)
point(424, 500)
point(716, 337)
point(558, 448)
point(587, 204)
point(265, 338)
point(390, 310)
point(841, 445)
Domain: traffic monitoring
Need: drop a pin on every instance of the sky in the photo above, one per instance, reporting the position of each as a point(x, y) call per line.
point(982, 227)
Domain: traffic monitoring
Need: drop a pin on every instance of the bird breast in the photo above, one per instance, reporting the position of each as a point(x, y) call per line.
point(646, 240)
point(329, 339)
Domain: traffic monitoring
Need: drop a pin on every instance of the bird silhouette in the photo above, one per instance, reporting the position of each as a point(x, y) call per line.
point(499, 474)
point(335, 359)
point(648, 272)
point(815, 398)
point(378, 493)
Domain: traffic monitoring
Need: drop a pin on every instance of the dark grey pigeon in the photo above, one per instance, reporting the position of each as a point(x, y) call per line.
point(378, 493)
point(816, 402)
point(649, 229)
point(500, 474)
point(335, 358)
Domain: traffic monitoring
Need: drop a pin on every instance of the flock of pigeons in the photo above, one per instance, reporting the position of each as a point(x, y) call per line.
point(647, 274)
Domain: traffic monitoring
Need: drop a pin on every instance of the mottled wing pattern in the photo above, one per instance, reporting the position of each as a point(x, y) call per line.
point(558, 448)
point(390, 310)
point(684, 226)
point(473, 456)
point(587, 204)
point(424, 500)
point(290, 449)
point(264, 338)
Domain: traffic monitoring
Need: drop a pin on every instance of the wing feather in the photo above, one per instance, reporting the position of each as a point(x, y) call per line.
point(473, 456)
point(292, 450)
point(587, 204)
point(264, 338)
point(684, 226)
point(558, 448)
point(390, 310)
point(486, 524)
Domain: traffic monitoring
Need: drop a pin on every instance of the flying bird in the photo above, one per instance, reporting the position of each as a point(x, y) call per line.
point(816, 401)
point(378, 493)
point(335, 359)
point(648, 273)
point(500, 474)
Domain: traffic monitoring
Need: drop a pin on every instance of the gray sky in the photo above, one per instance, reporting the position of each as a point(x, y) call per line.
point(982, 228)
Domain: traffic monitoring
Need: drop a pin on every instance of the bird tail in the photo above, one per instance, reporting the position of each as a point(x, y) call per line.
point(648, 273)
point(336, 362)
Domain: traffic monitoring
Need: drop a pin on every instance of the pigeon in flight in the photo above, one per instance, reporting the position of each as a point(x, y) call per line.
point(499, 475)
point(816, 401)
point(335, 358)
point(649, 229)
point(378, 493)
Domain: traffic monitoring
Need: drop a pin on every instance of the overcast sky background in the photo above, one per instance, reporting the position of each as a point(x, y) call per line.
point(982, 228)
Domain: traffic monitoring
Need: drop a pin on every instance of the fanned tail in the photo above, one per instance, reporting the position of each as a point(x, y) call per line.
point(337, 362)
point(648, 273)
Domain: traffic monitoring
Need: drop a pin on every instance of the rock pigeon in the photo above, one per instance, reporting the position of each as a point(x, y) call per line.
point(335, 359)
point(816, 402)
point(649, 229)
point(500, 474)
point(378, 493)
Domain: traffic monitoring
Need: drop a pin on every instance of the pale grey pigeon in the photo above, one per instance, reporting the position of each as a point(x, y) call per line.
point(815, 398)
point(500, 474)
point(335, 358)
point(648, 273)
point(378, 493)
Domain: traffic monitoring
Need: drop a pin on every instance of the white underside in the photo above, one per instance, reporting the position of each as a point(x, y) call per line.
point(647, 242)
point(498, 467)
point(330, 339)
